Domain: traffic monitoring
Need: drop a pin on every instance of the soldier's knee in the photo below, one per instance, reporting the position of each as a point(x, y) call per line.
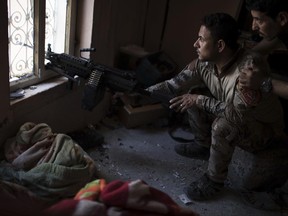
point(223, 129)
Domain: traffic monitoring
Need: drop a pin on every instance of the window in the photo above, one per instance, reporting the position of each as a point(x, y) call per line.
point(32, 24)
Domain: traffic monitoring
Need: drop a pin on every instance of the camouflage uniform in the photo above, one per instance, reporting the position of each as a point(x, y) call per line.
point(228, 117)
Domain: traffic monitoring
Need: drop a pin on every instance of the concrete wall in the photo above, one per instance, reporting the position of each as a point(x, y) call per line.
point(4, 75)
point(183, 25)
point(168, 25)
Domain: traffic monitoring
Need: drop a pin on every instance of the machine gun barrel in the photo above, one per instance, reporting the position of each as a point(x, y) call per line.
point(98, 76)
point(70, 65)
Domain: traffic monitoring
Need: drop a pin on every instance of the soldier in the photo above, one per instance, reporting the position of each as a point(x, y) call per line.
point(229, 115)
point(270, 21)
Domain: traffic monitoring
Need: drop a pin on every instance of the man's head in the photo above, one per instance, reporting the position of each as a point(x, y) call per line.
point(270, 17)
point(218, 32)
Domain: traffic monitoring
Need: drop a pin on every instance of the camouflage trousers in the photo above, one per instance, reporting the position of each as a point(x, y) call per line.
point(222, 137)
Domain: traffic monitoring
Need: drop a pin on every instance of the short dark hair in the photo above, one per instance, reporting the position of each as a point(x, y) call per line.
point(223, 26)
point(270, 7)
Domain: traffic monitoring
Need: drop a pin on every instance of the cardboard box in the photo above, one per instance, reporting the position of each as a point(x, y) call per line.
point(136, 116)
point(137, 110)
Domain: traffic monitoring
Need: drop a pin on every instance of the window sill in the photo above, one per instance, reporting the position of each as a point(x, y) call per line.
point(39, 88)
point(41, 94)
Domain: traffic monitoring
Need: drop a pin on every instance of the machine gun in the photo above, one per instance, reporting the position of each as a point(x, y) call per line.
point(99, 78)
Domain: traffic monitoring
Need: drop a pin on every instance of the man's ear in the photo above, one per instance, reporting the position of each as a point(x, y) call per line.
point(283, 18)
point(221, 45)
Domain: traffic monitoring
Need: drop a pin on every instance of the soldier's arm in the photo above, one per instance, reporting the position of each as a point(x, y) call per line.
point(179, 83)
point(251, 80)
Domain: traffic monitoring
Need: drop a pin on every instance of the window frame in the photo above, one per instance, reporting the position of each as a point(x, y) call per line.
point(40, 73)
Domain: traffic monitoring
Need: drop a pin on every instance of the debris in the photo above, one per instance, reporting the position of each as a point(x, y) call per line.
point(176, 174)
point(185, 199)
point(17, 94)
point(33, 87)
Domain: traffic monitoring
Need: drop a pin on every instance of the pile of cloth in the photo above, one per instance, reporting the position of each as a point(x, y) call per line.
point(96, 198)
point(46, 173)
point(51, 165)
point(121, 198)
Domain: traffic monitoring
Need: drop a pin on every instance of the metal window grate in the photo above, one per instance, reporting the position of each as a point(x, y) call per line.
point(20, 30)
point(21, 33)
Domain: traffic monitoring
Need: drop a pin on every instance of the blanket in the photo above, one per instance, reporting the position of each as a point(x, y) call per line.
point(119, 198)
point(51, 165)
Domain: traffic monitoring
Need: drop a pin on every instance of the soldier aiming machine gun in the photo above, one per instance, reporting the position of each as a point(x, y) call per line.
point(99, 78)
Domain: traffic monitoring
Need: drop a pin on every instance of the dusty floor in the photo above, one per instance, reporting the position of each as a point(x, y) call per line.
point(147, 153)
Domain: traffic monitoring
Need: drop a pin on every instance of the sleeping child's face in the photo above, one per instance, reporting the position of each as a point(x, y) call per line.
point(254, 63)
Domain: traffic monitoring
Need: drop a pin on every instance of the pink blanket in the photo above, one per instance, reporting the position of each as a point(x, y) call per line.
point(119, 198)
